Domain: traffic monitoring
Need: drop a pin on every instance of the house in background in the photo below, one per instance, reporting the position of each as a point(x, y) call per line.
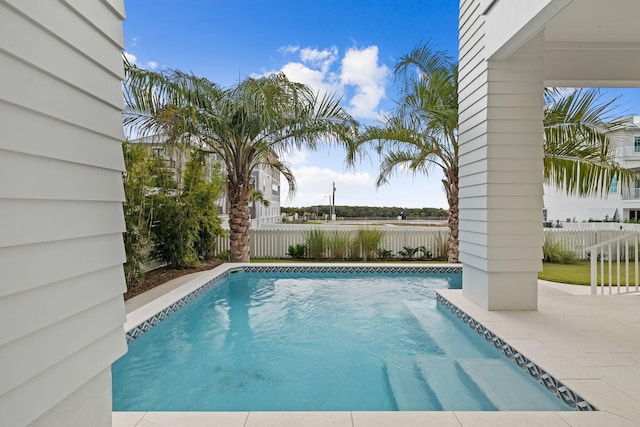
point(264, 179)
point(267, 181)
point(620, 204)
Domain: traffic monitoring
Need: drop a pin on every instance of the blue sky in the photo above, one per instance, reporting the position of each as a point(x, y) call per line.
point(346, 47)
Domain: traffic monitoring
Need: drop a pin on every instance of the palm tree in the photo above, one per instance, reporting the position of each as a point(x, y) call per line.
point(422, 134)
point(248, 126)
point(579, 156)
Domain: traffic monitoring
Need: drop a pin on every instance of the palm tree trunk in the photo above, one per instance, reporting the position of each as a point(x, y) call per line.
point(239, 222)
point(451, 188)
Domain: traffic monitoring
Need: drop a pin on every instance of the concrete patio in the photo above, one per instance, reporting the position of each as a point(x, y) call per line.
point(588, 343)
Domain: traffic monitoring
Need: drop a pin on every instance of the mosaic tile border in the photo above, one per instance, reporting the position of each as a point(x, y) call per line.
point(143, 327)
point(352, 269)
point(552, 384)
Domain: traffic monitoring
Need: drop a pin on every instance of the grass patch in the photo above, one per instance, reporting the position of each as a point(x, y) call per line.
point(576, 274)
point(580, 273)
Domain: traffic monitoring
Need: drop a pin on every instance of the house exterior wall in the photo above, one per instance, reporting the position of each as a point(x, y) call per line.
point(623, 201)
point(61, 221)
point(500, 158)
point(267, 181)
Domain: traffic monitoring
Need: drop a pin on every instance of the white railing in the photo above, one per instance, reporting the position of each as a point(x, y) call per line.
point(615, 256)
point(274, 242)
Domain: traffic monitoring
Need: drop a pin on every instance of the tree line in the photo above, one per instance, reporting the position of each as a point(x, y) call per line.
point(366, 212)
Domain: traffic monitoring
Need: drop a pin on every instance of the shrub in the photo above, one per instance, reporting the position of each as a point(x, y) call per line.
point(442, 245)
point(426, 253)
point(316, 243)
point(174, 232)
point(297, 251)
point(384, 253)
point(408, 252)
point(224, 255)
point(554, 253)
point(368, 240)
point(338, 244)
point(136, 237)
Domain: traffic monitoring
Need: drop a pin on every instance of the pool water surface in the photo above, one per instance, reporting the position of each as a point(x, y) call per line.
point(321, 342)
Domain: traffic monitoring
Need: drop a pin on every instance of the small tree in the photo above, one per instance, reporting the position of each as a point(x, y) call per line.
point(136, 236)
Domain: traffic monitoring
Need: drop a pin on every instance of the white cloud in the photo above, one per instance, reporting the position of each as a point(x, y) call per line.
point(130, 57)
point(319, 58)
point(359, 73)
point(315, 185)
point(360, 68)
point(152, 65)
point(288, 49)
point(296, 157)
point(319, 80)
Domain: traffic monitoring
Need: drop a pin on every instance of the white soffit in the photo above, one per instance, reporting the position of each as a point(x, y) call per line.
point(594, 43)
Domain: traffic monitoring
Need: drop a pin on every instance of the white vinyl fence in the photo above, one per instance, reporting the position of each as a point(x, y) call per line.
point(579, 241)
point(274, 242)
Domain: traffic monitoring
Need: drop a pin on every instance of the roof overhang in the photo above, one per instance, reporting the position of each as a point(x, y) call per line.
point(588, 43)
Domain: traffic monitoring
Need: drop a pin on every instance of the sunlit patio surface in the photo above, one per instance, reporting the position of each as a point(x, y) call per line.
point(590, 344)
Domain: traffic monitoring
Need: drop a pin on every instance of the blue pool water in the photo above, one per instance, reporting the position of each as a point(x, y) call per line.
point(320, 342)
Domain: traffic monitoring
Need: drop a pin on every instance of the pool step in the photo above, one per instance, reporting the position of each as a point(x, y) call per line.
point(445, 334)
point(409, 390)
point(454, 390)
point(503, 385)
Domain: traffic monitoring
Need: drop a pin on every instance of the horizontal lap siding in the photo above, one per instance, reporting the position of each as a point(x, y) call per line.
point(61, 221)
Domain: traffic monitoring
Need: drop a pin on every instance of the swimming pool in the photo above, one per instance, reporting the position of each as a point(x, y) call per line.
point(333, 340)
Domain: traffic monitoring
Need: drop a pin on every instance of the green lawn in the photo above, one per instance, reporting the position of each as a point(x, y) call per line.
point(580, 273)
point(577, 274)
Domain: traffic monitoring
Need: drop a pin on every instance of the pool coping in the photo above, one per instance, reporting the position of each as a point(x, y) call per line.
point(144, 318)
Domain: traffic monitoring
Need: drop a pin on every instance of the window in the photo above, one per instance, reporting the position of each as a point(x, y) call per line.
point(636, 144)
point(613, 188)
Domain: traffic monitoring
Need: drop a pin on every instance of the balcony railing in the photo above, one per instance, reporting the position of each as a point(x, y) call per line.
point(631, 194)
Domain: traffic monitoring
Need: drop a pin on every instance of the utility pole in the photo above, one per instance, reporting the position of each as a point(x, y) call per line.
point(333, 203)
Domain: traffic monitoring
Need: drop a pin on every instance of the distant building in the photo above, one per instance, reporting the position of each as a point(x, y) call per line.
point(619, 204)
point(266, 180)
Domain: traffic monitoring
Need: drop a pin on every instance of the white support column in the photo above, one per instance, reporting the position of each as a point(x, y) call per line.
point(501, 172)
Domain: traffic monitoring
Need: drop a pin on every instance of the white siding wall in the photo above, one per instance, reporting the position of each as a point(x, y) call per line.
point(61, 251)
point(500, 168)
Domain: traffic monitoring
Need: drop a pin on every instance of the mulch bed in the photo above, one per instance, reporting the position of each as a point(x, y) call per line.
point(162, 275)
